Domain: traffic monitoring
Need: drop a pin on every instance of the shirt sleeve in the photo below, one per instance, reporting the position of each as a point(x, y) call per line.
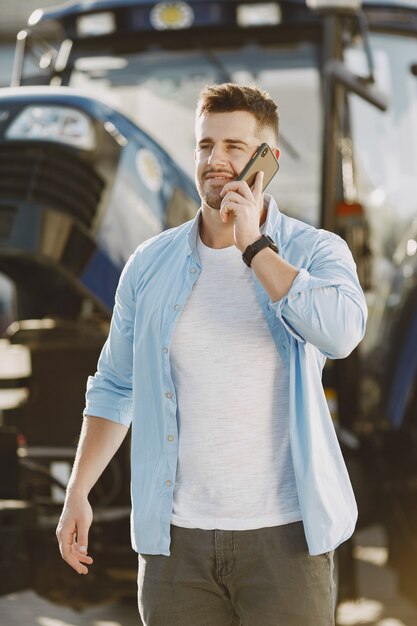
point(326, 305)
point(109, 391)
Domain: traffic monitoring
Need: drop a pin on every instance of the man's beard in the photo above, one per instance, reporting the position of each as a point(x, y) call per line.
point(211, 197)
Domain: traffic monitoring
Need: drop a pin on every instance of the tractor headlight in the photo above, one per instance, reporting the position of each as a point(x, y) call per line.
point(54, 123)
point(264, 14)
point(334, 4)
point(96, 24)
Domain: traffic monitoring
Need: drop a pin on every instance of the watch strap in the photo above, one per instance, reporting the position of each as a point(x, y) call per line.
point(263, 242)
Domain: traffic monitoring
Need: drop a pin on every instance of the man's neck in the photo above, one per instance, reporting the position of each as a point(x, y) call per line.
point(213, 232)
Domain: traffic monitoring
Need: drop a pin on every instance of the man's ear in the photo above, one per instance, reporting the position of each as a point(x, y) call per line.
point(276, 152)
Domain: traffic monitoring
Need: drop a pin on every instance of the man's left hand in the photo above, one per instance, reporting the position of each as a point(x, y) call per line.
point(244, 204)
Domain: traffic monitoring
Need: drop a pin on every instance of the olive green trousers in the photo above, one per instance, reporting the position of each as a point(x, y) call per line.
point(262, 577)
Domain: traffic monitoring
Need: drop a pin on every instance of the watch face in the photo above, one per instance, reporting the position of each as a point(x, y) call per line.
point(272, 242)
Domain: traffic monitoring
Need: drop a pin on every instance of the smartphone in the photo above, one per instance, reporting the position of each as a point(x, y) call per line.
point(263, 160)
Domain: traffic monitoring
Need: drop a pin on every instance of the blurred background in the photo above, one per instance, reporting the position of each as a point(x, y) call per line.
point(97, 104)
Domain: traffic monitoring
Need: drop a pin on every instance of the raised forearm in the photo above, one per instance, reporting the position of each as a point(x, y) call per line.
point(275, 274)
point(327, 310)
point(332, 318)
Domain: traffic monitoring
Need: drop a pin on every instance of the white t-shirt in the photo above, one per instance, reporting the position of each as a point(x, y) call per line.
point(235, 469)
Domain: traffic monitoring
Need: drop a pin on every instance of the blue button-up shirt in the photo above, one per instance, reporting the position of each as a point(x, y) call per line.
point(323, 315)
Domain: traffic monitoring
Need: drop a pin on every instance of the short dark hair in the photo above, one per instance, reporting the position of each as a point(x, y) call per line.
point(228, 97)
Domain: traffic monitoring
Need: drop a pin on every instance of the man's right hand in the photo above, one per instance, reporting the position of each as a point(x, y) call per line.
point(72, 532)
point(99, 441)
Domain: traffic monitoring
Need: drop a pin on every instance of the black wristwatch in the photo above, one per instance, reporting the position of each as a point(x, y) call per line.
point(264, 242)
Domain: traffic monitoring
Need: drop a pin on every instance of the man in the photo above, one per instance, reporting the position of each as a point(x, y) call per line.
point(239, 490)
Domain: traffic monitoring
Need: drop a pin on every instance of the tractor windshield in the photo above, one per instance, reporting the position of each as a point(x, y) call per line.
point(385, 167)
point(159, 91)
point(385, 144)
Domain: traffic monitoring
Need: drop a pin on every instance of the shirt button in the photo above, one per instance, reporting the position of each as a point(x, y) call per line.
point(165, 350)
point(168, 395)
point(193, 270)
point(168, 483)
point(170, 437)
point(176, 307)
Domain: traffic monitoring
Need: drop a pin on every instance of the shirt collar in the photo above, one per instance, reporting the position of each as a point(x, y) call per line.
point(271, 223)
point(273, 216)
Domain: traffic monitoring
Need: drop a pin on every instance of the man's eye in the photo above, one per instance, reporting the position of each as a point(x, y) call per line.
point(233, 147)
point(204, 147)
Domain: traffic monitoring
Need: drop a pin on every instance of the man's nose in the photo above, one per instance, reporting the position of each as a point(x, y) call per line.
point(217, 157)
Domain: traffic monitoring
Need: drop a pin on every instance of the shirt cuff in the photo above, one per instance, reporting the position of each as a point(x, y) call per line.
point(302, 282)
point(121, 414)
